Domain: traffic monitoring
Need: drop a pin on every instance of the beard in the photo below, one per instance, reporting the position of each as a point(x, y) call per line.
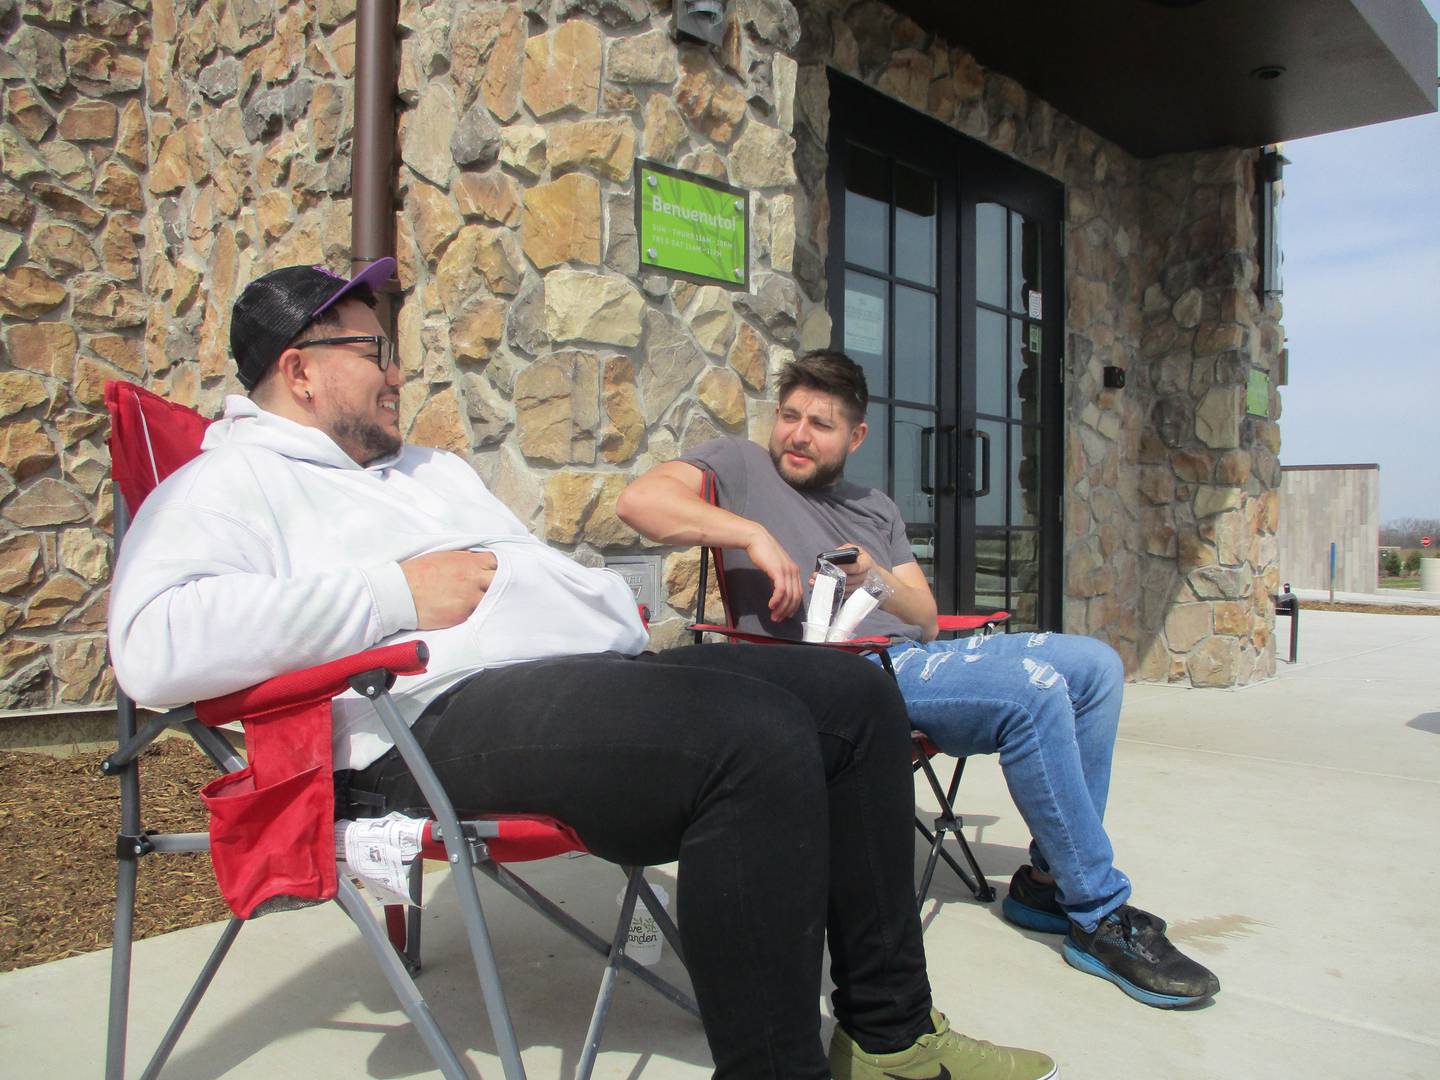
point(823, 476)
point(365, 436)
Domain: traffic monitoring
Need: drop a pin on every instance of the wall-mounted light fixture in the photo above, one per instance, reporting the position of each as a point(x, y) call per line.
point(1271, 171)
point(700, 20)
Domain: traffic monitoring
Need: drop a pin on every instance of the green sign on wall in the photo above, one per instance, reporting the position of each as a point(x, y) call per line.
point(1257, 393)
point(691, 226)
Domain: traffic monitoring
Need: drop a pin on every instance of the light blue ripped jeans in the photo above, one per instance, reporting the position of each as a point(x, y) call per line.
point(1049, 704)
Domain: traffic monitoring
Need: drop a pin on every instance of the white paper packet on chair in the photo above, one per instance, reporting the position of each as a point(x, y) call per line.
point(379, 852)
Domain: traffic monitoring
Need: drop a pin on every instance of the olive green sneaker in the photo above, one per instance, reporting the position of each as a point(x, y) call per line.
point(945, 1055)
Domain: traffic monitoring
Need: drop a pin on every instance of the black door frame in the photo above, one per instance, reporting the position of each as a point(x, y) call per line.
point(967, 172)
point(990, 176)
point(907, 136)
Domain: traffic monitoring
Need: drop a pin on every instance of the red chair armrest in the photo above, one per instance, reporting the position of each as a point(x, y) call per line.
point(318, 682)
point(953, 623)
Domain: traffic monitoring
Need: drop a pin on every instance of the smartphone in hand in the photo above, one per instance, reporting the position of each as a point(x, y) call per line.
point(840, 556)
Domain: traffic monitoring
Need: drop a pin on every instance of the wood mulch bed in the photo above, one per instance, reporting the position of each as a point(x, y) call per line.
point(1369, 609)
point(58, 820)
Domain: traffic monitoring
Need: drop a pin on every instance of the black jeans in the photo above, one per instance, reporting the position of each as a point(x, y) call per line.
point(780, 779)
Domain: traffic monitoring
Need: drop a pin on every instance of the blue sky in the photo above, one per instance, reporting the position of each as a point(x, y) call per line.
point(1361, 235)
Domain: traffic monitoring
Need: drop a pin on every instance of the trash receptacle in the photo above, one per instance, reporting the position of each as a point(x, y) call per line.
point(1430, 575)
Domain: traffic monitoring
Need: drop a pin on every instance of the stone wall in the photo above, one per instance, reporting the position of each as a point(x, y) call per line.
point(1209, 473)
point(532, 340)
point(74, 155)
point(158, 155)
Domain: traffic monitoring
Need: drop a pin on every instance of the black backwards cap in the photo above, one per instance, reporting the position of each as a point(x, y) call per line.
point(273, 310)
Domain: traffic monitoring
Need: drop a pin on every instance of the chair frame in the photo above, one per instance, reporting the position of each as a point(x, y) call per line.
point(947, 822)
point(466, 851)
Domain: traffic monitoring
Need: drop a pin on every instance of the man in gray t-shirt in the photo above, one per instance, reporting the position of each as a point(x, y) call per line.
point(1048, 704)
point(748, 484)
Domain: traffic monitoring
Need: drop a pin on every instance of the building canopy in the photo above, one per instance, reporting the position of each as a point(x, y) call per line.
point(1165, 76)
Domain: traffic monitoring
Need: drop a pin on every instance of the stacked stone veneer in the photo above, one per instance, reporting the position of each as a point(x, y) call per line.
point(534, 341)
point(73, 154)
point(157, 155)
point(154, 154)
point(1209, 473)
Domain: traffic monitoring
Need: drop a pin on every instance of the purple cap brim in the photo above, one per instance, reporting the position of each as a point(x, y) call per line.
point(374, 275)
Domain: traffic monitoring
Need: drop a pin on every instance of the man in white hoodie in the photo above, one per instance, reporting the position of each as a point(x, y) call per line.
point(779, 778)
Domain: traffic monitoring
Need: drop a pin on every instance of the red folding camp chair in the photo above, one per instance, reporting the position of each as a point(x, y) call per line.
point(271, 835)
point(922, 750)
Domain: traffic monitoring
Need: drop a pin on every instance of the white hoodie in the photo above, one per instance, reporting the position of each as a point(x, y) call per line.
point(273, 551)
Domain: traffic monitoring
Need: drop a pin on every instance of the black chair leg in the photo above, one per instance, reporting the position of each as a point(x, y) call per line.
point(949, 823)
point(412, 917)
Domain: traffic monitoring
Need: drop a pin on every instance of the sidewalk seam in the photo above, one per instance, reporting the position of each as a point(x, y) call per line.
point(1278, 761)
point(1336, 1018)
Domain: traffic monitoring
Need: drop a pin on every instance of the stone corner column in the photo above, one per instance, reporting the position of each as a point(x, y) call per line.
point(1210, 470)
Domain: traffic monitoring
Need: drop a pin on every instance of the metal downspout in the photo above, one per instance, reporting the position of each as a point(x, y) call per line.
point(372, 166)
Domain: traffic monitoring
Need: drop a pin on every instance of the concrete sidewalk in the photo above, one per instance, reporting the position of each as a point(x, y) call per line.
point(1282, 829)
point(1397, 597)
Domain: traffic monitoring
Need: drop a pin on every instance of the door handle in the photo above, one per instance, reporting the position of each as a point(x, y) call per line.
point(947, 486)
point(984, 437)
point(927, 461)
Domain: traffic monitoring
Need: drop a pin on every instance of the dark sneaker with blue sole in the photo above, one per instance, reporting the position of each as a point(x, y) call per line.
point(1033, 905)
point(1129, 948)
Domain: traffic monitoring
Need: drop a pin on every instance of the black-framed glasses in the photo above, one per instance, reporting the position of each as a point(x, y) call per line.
point(384, 347)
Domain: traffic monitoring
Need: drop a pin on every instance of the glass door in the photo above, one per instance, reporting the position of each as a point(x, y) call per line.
point(1011, 413)
point(944, 283)
point(890, 285)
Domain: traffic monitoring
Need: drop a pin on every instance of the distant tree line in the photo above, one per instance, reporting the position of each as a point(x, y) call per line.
point(1406, 533)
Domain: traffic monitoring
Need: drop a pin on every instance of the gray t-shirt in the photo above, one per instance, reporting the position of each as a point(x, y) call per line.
point(805, 523)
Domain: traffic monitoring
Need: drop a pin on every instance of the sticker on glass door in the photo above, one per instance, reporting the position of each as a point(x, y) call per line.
point(864, 323)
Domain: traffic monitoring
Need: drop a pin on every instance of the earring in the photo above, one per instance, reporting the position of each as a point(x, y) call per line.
point(307, 396)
